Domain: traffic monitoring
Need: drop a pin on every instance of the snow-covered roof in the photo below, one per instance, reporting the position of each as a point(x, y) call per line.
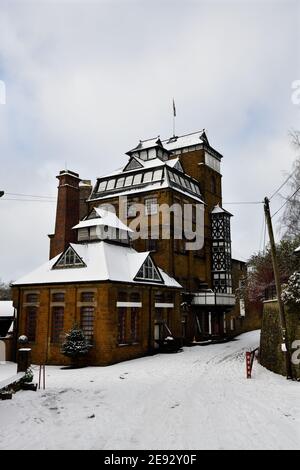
point(148, 164)
point(6, 309)
point(147, 144)
point(106, 219)
point(298, 250)
point(183, 141)
point(104, 262)
point(219, 210)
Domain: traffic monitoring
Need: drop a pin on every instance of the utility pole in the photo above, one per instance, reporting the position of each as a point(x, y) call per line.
point(283, 325)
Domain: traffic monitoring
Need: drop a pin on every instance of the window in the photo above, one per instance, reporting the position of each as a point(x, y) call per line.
point(57, 324)
point(87, 296)
point(121, 325)
point(171, 176)
point(151, 206)
point(134, 325)
point(87, 322)
point(83, 234)
point(102, 186)
point(32, 298)
point(157, 175)
point(135, 297)
point(212, 162)
point(128, 180)
point(148, 271)
point(31, 318)
point(69, 259)
point(120, 183)
point(58, 297)
point(122, 296)
point(147, 177)
point(138, 178)
point(131, 209)
point(110, 184)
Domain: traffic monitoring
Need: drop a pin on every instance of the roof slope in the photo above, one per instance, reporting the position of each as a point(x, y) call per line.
point(104, 262)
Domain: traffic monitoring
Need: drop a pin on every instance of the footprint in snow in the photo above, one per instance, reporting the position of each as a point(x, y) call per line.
point(175, 405)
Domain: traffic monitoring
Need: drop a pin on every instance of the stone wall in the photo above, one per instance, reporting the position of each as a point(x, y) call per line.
point(272, 356)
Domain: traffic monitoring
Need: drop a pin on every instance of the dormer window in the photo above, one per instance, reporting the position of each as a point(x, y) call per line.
point(69, 259)
point(149, 272)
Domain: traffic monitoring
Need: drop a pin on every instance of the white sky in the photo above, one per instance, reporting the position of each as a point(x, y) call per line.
point(86, 80)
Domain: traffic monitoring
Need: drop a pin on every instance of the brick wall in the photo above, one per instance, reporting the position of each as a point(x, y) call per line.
point(106, 349)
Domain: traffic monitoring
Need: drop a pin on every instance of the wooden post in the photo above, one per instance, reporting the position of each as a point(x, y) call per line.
point(282, 318)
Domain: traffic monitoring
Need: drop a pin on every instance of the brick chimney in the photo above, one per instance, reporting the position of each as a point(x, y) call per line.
point(67, 212)
point(85, 190)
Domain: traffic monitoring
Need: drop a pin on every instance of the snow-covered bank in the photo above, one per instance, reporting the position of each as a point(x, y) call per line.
point(198, 399)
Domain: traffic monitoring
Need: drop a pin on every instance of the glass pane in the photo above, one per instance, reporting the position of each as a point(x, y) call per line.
point(128, 180)
point(147, 177)
point(110, 184)
point(157, 175)
point(120, 183)
point(102, 186)
point(137, 178)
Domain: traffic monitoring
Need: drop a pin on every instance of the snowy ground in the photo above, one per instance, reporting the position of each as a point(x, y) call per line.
point(198, 399)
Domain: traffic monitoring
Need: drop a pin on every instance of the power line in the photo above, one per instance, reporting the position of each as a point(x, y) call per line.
point(288, 200)
point(242, 203)
point(28, 200)
point(31, 195)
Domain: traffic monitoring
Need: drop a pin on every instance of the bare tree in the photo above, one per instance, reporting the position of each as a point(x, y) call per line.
point(5, 291)
point(291, 216)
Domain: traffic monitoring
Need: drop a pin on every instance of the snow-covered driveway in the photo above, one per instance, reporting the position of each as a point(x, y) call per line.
point(198, 399)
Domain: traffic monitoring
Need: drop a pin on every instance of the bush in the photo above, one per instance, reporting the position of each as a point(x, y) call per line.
point(291, 290)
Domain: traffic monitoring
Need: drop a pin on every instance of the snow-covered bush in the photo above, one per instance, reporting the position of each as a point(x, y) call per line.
point(28, 377)
point(291, 290)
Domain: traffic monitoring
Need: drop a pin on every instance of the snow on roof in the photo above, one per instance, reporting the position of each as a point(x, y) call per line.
point(298, 250)
point(145, 165)
point(219, 210)
point(183, 141)
point(147, 144)
point(149, 188)
point(106, 219)
point(6, 308)
point(104, 262)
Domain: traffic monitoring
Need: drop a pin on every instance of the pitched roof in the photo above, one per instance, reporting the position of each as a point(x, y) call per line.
point(147, 144)
point(219, 210)
point(6, 309)
point(106, 219)
point(187, 140)
point(104, 262)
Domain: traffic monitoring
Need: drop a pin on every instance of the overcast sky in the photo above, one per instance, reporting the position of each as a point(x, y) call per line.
point(86, 80)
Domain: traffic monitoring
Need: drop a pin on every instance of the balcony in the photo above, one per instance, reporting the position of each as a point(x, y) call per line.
point(209, 298)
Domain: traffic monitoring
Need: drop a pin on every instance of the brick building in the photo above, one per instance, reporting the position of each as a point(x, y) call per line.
point(193, 293)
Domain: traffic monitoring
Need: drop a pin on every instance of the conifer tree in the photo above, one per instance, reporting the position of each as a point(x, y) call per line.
point(75, 345)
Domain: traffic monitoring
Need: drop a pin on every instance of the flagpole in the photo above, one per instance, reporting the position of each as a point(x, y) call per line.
point(174, 116)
